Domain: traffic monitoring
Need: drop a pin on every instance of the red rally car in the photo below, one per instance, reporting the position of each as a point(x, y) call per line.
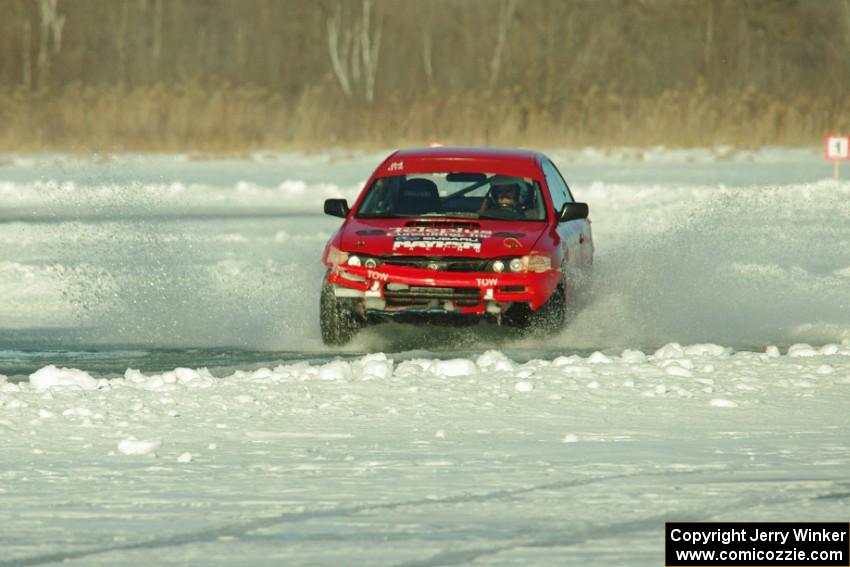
point(457, 234)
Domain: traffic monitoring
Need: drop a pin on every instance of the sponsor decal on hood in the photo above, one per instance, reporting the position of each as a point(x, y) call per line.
point(440, 239)
point(388, 237)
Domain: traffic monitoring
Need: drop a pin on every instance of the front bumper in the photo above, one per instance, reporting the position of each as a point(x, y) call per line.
point(400, 289)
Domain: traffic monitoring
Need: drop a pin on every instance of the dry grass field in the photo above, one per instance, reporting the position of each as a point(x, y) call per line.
point(224, 118)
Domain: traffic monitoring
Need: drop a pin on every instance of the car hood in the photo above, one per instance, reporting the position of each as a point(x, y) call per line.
point(456, 237)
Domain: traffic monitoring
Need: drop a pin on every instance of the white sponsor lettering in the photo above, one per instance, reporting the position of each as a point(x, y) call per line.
point(429, 238)
point(448, 243)
point(396, 166)
point(372, 275)
point(432, 232)
point(485, 282)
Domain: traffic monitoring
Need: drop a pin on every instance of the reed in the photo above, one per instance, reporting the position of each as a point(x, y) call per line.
point(224, 118)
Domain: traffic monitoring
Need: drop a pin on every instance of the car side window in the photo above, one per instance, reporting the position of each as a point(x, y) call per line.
point(557, 186)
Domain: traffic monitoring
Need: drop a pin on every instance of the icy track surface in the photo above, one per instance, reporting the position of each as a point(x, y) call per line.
point(424, 462)
point(167, 400)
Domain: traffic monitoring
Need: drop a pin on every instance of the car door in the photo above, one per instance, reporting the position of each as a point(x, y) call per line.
point(574, 235)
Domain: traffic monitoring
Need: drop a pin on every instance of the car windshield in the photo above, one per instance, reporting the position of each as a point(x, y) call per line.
point(454, 195)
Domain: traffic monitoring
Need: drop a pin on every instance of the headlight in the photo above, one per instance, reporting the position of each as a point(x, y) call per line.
point(336, 256)
point(516, 264)
point(370, 263)
point(537, 263)
point(353, 261)
point(498, 266)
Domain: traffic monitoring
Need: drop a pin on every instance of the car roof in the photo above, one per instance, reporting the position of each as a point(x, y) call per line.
point(517, 162)
point(443, 152)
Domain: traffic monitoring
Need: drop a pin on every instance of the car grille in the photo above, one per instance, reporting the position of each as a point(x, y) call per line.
point(442, 264)
point(422, 295)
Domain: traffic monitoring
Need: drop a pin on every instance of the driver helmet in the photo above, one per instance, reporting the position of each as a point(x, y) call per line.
point(504, 190)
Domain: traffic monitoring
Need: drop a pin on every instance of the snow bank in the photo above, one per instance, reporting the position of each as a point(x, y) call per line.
point(52, 377)
point(200, 378)
point(138, 446)
point(708, 368)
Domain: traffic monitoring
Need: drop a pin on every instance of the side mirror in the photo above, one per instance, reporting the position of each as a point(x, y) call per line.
point(573, 211)
point(336, 207)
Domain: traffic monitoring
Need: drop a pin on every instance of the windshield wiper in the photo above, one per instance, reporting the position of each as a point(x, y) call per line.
point(383, 216)
point(500, 217)
point(452, 215)
point(520, 218)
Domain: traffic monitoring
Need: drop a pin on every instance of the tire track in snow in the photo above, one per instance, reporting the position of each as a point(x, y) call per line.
point(239, 529)
point(596, 533)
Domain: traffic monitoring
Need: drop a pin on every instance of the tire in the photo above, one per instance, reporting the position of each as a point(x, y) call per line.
point(337, 318)
point(550, 318)
point(553, 315)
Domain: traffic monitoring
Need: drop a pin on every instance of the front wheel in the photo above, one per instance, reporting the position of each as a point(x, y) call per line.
point(550, 318)
point(337, 319)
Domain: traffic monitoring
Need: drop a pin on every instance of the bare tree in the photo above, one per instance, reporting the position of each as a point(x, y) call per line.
point(121, 41)
point(506, 15)
point(51, 32)
point(427, 63)
point(370, 48)
point(428, 45)
point(355, 50)
point(156, 46)
point(339, 46)
point(709, 39)
point(25, 56)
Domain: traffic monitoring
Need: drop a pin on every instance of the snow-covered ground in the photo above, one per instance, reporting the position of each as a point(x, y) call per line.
point(687, 389)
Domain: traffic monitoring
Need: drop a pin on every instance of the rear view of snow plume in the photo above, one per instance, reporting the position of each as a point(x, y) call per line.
point(162, 284)
point(745, 267)
point(174, 284)
point(204, 258)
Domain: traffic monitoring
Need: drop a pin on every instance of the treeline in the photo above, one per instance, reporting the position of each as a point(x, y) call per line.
point(230, 75)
